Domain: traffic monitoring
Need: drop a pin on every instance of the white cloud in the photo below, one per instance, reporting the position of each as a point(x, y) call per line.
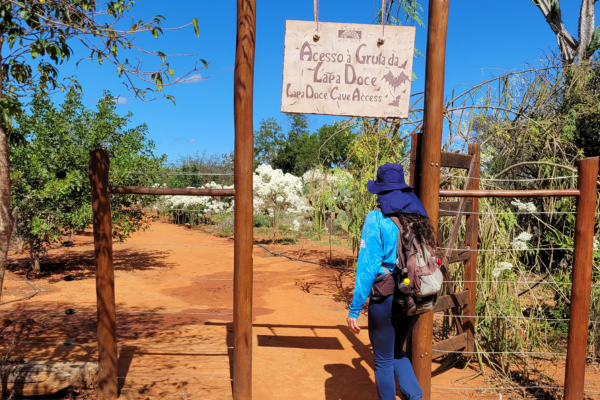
point(192, 78)
point(178, 139)
point(121, 100)
point(192, 141)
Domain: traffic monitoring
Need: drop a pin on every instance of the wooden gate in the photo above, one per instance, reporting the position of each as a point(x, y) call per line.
point(460, 302)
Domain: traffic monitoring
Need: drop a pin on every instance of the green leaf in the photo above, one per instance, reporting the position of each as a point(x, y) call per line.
point(196, 27)
point(169, 97)
point(119, 70)
point(205, 63)
point(554, 8)
point(171, 72)
point(594, 44)
point(159, 82)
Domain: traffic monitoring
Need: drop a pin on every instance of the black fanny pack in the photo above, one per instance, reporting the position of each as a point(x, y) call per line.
point(384, 285)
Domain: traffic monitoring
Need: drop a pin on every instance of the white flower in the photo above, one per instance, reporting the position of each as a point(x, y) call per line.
point(277, 193)
point(526, 207)
point(520, 242)
point(596, 244)
point(502, 266)
point(295, 225)
point(202, 204)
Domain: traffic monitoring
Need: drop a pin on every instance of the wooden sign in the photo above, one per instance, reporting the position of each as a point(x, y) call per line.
point(347, 70)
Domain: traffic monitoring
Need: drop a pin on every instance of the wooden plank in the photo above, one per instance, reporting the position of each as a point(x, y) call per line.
point(582, 271)
point(455, 160)
point(455, 343)
point(450, 208)
point(509, 193)
point(346, 70)
point(158, 191)
point(415, 153)
point(471, 241)
point(453, 300)
point(456, 256)
point(105, 275)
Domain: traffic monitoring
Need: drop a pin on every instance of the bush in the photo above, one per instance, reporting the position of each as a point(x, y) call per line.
point(261, 221)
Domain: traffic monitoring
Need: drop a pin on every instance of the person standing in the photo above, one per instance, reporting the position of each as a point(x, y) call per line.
point(388, 326)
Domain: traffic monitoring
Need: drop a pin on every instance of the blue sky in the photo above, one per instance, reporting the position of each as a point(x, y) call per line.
point(483, 37)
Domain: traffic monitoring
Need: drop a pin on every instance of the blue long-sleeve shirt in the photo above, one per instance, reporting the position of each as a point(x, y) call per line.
point(378, 246)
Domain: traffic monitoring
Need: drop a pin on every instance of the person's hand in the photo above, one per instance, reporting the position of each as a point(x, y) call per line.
point(353, 325)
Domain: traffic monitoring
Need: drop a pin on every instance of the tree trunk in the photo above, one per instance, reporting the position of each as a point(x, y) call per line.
point(586, 29)
point(6, 218)
point(35, 258)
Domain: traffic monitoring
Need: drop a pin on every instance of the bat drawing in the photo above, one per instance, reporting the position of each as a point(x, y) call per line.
point(404, 65)
point(395, 81)
point(396, 102)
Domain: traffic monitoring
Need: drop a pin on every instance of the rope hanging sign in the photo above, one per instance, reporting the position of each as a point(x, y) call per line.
point(347, 69)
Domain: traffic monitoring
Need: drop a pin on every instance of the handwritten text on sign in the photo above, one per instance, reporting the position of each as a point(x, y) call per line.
point(346, 71)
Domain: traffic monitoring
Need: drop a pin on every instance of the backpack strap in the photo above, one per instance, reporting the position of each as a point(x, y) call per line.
point(400, 254)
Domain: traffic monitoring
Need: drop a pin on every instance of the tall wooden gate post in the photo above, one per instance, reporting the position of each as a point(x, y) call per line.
point(471, 240)
point(105, 276)
point(429, 186)
point(582, 279)
point(243, 170)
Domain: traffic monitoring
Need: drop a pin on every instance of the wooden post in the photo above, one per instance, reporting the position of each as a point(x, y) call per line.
point(471, 239)
point(243, 170)
point(582, 279)
point(105, 276)
point(415, 157)
point(428, 190)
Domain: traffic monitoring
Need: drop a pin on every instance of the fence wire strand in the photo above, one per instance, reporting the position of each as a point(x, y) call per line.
point(512, 180)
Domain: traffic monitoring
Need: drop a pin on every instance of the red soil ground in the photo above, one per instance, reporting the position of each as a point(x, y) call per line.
point(302, 348)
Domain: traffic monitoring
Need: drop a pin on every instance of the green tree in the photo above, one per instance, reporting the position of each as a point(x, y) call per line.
point(298, 150)
point(335, 144)
point(199, 169)
point(49, 171)
point(268, 140)
point(36, 38)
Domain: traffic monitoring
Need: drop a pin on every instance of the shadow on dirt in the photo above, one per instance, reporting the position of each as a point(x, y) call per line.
point(344, 378)
point(42, 331)
point(80, 262)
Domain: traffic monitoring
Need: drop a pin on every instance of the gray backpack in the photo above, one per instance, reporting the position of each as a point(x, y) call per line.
point(418, 263)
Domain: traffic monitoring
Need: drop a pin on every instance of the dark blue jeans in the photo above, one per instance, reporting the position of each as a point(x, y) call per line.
point(388, 336)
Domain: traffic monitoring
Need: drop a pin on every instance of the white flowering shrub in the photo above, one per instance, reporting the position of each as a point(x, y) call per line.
point(525, 207)
point(520, 242)
point(276, 193)
point(204, 204)
point(502, 266)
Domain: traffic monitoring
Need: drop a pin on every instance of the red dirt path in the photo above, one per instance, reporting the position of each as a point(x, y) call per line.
point(302, 349)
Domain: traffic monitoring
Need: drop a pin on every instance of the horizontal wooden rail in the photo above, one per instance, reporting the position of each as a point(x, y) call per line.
point(455, 343)
point(509, 193)
point(162, 191)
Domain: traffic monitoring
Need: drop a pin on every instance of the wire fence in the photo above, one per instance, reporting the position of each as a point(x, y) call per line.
point(510, 249)
point(512, 180)
point(508, 388)
point(507, 213)
point(169, 173)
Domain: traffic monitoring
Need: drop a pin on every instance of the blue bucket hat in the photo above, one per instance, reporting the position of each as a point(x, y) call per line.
point(395, 196)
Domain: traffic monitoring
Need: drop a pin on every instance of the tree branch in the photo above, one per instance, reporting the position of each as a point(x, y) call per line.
point(566, 43)
point(568, 168)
